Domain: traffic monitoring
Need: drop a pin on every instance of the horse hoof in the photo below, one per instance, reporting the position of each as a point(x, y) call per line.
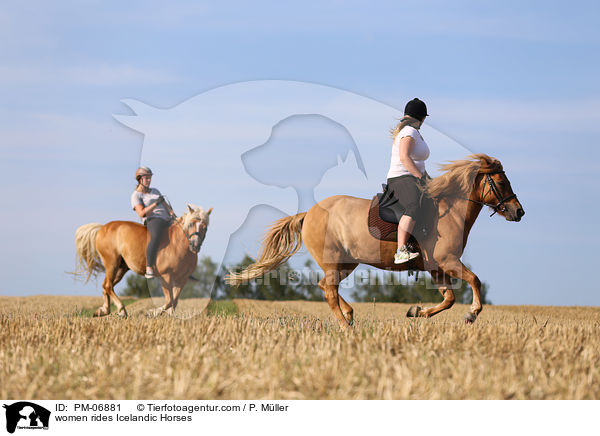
point(154, 313)
point(470, 318)
point(123, 313)
point(99, 312)
point(345, 327)
point(413, 311)
point(349, 318)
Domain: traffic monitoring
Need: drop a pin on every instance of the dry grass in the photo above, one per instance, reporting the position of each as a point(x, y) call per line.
point(49, 349)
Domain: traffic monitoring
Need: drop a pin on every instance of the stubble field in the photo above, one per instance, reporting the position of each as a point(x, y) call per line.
point(50, 348)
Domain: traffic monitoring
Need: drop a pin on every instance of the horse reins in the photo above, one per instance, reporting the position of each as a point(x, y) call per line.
point(499, 207)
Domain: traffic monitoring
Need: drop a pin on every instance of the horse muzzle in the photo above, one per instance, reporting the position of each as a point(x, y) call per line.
point(195, 246)
point(520, 213)
point(196, 242)
point(515, 215)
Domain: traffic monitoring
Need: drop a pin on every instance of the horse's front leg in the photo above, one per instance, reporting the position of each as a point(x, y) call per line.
point(167, 306)
point(442, 282)
point(168, 291)
point(457, 269)
point(476, 305)
point(175, 291)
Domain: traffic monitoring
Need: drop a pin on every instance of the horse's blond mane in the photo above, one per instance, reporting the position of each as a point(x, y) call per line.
point(194, 213)
point(459, 176)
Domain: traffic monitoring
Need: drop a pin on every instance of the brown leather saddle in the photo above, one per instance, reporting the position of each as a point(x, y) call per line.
point(385, 212)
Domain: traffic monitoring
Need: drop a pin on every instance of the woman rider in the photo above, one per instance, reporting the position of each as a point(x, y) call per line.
point(407, 170)
point(156, 214)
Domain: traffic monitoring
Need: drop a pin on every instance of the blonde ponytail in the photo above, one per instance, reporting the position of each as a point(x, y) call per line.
point(406, 120)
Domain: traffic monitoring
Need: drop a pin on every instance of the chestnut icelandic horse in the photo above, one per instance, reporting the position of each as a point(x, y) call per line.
point(119, 246)
point(336, 235)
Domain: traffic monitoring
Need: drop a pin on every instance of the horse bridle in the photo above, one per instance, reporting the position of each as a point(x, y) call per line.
point(499, 207)
point(189, 237)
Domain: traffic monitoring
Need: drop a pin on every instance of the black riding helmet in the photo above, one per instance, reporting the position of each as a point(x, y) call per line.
point(416, 109)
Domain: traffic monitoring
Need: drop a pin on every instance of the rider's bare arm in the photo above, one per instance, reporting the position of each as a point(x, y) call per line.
point(406, 144)
point(142, 211)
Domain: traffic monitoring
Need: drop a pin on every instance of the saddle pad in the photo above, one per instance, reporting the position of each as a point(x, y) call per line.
point(387, 231)
point(379, 228)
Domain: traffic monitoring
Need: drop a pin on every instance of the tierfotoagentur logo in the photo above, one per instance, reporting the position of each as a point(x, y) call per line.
point(26, 416)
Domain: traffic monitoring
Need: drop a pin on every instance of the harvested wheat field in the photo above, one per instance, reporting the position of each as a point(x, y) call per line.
point(50, 348)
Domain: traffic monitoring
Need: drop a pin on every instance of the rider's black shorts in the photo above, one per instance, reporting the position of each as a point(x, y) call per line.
point(407, 192)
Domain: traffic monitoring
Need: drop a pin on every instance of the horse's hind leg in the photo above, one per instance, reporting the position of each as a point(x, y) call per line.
point(121, 270)
point(105, 308)
point(347, 310)
point(106, 293)
point(447, 293)
point(330, 284)
point(114, 273)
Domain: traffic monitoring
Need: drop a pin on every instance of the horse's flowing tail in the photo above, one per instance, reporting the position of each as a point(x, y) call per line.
point(88, 259)
point(282, 240)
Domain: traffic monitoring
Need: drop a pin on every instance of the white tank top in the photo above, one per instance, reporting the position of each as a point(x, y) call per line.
point(419, 153)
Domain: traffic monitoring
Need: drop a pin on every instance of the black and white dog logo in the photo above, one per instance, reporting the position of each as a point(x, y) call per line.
point(26, 415)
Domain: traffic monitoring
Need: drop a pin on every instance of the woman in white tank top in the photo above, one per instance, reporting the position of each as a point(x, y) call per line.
point(407, 169)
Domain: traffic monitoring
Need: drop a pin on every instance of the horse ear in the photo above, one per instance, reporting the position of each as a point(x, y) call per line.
point(209, 211)
point(190, 208)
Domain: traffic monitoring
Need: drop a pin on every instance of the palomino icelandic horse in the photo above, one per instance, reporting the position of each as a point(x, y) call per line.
point(119, 246)
point(336, 235)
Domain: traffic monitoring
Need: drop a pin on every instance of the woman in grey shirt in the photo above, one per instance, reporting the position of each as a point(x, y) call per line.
point(156, 214)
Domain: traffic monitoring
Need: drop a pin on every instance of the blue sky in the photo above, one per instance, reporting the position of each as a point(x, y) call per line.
point(514, 80)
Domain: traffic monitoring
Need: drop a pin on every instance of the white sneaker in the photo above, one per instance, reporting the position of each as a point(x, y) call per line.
point(149, 273)
point(403, 255)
